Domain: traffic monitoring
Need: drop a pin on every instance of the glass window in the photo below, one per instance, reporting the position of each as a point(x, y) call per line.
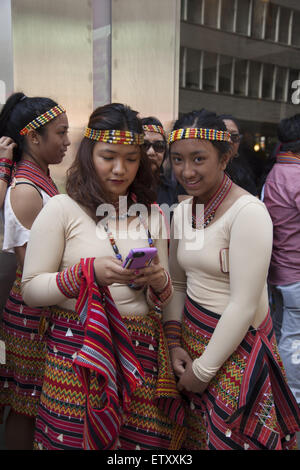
point(209, 71)
point(242, 17)
point(240, 77)
point(228, 15)
point(257, 19)
point(182, 66)
point(211, 11)
point(225, 74)
point(296, 29)
point(284, 23)
point(193, 58)
point(267, 81)
point(254, 79)
point(271, 22)
point(280, 83)
point(195, 11)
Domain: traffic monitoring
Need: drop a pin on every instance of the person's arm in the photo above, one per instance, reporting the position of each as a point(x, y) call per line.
point(40, 283)
point(6, 165)
point(249, 257)
point(172, 313)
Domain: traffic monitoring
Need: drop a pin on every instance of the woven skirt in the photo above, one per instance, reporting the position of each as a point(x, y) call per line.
point(23, 330)
point(152, 419)
point(248, 404)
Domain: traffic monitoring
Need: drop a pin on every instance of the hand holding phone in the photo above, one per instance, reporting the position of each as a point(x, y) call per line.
point(139, 258)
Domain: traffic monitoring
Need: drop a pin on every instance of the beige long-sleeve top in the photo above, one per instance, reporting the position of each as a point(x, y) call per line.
point(63, 233)
point(225, 273)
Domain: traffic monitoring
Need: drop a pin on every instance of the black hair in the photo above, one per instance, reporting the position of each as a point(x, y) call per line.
point(18, 111)
point(82, 182)
point(204, 119)
point(288, 133)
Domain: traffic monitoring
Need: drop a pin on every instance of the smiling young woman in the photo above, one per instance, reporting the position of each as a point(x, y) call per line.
point(106, 336)
point(218, 324)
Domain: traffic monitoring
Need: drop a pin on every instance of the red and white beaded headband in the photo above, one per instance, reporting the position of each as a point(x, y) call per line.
point(199, 133)
point(43, 119)
point(114, 136)
point(153, 128)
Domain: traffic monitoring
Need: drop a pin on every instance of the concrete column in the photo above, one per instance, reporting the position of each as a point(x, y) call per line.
point(52, 45)
point(6, 56)
point(145, 56)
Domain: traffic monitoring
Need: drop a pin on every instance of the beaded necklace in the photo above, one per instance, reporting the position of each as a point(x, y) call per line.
point(115, 246)
point(212, 205)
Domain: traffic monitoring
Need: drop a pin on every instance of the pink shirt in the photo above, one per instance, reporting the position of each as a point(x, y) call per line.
point(282, 198)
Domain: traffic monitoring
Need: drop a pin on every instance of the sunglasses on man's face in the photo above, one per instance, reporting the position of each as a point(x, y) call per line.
point(158, 146)
point(235, 137)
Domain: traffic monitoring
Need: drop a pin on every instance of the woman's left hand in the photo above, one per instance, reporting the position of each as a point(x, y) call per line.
point(154, 276)
point(189, 382)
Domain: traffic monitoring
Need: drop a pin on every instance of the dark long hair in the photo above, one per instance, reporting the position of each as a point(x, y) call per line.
point(18, 111)
point(205, 119)
point(82, 183)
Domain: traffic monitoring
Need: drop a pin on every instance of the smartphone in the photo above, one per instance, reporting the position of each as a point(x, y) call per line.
point(139, 258)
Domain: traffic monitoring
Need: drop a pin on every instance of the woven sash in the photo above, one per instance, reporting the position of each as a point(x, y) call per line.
point(107, 350)
point(32, 172)
point(287, 157)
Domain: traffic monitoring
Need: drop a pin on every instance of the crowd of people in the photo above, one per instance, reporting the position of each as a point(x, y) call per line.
point(180, 354)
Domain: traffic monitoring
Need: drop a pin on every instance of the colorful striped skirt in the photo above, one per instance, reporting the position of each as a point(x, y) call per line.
point(155, 416)
point(248, 404)
point(23, 331)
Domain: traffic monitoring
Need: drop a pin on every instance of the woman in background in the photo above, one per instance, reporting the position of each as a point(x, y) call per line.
point(37, 128)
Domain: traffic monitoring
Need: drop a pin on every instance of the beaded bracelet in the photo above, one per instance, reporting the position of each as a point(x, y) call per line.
point(6, 166)
point(68, 281)
point(158, 299)
point(172, 331)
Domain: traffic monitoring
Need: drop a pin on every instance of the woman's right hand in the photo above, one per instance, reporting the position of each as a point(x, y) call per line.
point(179, 359)
point(109, 270)
point(6, 147)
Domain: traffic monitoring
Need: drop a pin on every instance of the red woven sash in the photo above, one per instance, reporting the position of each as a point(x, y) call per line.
point(107, 349)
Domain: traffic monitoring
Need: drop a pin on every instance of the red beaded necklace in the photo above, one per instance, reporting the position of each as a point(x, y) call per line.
point(212, 205)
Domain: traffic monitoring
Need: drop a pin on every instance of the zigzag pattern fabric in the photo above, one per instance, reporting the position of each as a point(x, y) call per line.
point(107, 350)
point(155, 414)
point(23, 330)
point(248, 405)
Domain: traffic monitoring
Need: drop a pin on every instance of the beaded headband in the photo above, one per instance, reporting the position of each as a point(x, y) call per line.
point(153, 128)
point(199, 133)
point(43, 119)
point(114, 136)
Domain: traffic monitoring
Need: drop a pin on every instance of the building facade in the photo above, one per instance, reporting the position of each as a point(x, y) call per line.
point(242, 57)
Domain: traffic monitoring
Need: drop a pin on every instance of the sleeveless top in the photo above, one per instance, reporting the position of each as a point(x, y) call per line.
point(15, 234)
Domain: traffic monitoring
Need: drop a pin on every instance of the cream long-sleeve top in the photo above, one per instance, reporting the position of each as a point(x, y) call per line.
point(63, 233)
point(225, 272)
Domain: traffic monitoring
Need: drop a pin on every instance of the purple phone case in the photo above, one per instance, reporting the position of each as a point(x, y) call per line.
point(139, 257)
